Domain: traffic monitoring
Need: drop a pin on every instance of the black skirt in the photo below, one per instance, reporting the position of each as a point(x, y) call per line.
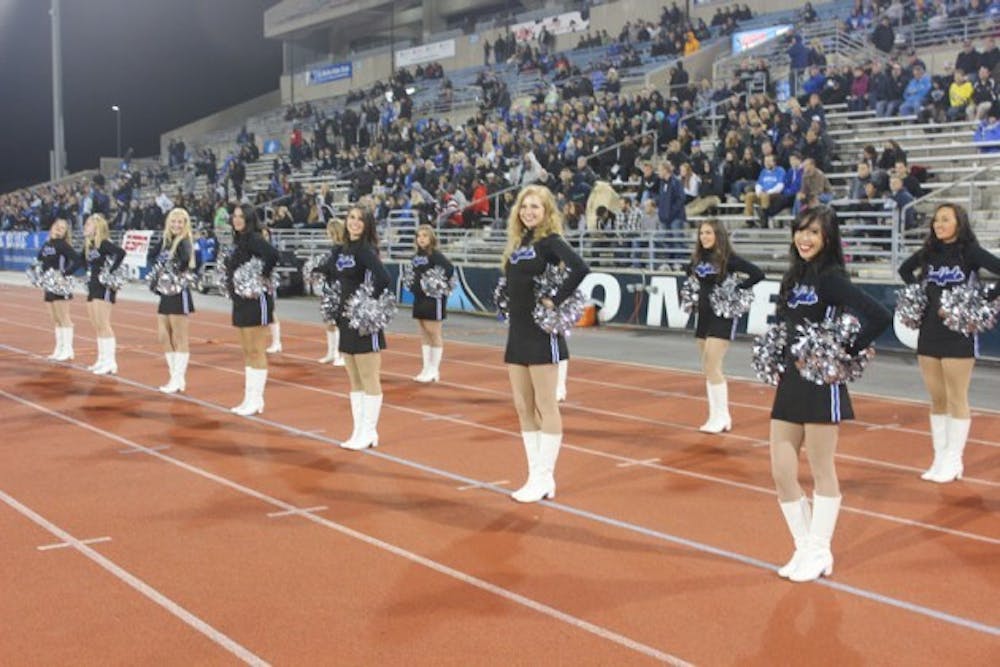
point(527, 345)
point(49, 297)
point(713, 326)
point(100, 293)
point(176, 304)
point(939, 342)
point(352, 342)
point(802, 402)
point(426, 308)
point(257, 312)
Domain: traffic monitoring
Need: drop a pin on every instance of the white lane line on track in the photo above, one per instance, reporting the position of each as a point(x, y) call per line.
point(440, 568)
point(135, 582)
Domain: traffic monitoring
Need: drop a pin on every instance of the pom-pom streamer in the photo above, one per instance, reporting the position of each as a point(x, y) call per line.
point(113, 280)
point(367, 314)
point(329, 304)
point(821, 351)
point(434, 282)
point(689, 294)
point(249, 281)
point(562, 318)
point(729, 300)
point(50, 280)
point(911, 302)
point(769, 354)
point(502, 300)
point(966, 310)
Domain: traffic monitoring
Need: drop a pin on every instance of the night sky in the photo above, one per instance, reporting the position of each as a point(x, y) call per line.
point(164, 62)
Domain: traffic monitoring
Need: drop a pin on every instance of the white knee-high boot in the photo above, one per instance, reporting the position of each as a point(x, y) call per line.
point(817, 559)
point(436, 354)
point(246, 392)
point(169, 387)
point(57, 350)
point(67, 349)
point(107, 363)
point(256, 379)
point(332, 342)
point(369, 423)
point(357, 419)
point(100, 357)
point(425, 372)
point(541, 484)
point(798, 516)
point(952, 466)
point(275, 345)
point(561, 375)
point(939, 440)
point(718, 404)
point(530, 440)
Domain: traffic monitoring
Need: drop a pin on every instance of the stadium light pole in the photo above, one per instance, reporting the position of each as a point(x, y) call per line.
point(58, 165)
point(118, 130)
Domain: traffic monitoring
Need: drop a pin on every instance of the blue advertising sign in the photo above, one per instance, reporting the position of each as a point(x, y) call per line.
point(328, 73)
point(19, 249)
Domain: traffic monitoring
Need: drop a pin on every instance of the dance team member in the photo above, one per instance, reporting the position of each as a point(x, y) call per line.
point(534, 241)
point(351, 264)
point(275, 326)
point(172, 313)
point(57, 253)
point(429, 312)
point(251, 315)
point(712, 261)
point(951, 256)
point(807, 415)
point(98, 251)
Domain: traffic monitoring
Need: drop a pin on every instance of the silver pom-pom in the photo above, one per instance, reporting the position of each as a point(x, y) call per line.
point(821, 349)
point(164, 279)
point(769, 353)
point(435, 282)
point(729, 300)
point(367, 314)
point(249, 281)
point(563, 317)
point(966, 310)
point(329, 304)
point(911, 302)
point(501, 300)
point(689, 294)
point(113, 280)
point(406, 276)
point(34, 274)
point(50, 280)
point(311, 273)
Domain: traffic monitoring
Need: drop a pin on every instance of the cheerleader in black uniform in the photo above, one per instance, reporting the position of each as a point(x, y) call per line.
point(334, 232)
point(98, 250)
point(427, 311)
point(711, 261)
point(951, 256)
point(251, 315)
point(532, 356)
point(58, 254)
point(351, 264)
point(172, 320)
point(815, 286)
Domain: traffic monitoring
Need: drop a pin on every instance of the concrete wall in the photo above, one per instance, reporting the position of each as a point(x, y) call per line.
point(234, 116)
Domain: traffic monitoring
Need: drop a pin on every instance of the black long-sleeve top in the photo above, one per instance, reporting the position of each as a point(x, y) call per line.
point(181, 258)
point(828, 292)
point(708, 277)
point(423, 262)
point(98, 257)
point(59, 255)
point(530, 260)
point(946, 265)
point(247, 247)
point(350, 263)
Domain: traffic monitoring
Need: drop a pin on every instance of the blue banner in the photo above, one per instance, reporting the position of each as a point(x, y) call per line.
point(654, 301)
point(328, 73)
point(19, 249)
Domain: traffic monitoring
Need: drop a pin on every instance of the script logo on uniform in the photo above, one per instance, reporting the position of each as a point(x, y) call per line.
point(944, 275)
point(345, 262)
point(48, 251)
point(93, 254)
point(420, 260)
point(705, 269)
point(803, 295)
point(527, 252)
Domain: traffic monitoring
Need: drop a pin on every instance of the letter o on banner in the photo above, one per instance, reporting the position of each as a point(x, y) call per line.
point(612, 299)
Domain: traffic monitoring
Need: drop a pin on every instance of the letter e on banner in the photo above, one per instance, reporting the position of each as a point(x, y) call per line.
point(663, 296)
point(763, 306)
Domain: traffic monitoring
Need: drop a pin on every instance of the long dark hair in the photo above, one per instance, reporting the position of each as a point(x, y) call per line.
point(719, 255)
point(251, 222)
point(966, 237)
point(832, 254)
point(370, 234)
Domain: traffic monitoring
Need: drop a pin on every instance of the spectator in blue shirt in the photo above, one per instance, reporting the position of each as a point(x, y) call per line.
point(770, 182)
point(916, 92)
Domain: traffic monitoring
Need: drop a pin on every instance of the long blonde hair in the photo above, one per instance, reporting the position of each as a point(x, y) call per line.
point(68, 236)
point(552, 222)
point(431, 233)
point(101, 232)
point(171, 241)
point(335, 231)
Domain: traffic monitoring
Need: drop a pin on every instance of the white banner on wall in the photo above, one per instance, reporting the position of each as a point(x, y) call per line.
point(557, 25)
point(425, 53)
